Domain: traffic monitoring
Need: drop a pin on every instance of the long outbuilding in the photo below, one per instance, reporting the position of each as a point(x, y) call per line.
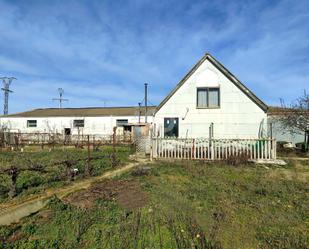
point(76, 121)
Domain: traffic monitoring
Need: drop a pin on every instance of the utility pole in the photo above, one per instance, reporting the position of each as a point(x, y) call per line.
point(146, 102)
point(60, 99)
point(139, 112)
point(6, 88)
point(105, 103)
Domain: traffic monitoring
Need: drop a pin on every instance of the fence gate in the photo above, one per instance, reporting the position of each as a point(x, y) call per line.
point(143, 144)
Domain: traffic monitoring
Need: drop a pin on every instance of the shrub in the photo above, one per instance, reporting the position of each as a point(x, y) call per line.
point(28, 179)
point(237, 160)
point(3, 191)
point(28, 229)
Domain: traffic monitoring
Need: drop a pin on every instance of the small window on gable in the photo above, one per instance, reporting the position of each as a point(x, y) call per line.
point(31, 123)
point(79, 123)
point(208, 97)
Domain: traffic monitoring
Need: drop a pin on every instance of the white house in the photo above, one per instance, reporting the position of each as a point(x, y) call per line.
point(210, 96)
point(73, 121)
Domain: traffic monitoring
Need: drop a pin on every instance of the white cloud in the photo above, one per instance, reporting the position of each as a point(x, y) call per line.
point(97, 50)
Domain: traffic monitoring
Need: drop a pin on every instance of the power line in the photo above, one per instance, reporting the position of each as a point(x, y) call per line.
point(6, 89)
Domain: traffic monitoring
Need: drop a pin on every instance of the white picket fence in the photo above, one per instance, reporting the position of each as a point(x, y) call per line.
point(213, 149)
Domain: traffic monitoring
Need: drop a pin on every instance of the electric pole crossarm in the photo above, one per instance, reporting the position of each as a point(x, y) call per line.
point(60, 99)
point(6, 89)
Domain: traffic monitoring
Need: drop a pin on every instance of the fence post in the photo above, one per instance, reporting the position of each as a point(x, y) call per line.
point(114, 147)
point(156, 148)
point(151, 148)
point(87, 170)
point(93, 142)
point(210, 142)
point(274, 148)
point(193, 149)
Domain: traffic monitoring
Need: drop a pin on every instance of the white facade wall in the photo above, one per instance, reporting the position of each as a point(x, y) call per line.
point(280, 133)
point(92, 125)
point(237, 117)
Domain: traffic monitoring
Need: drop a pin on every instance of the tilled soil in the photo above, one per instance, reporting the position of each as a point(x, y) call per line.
point(127, 193)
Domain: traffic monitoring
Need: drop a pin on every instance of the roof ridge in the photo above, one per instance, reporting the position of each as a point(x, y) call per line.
point(89, 107)
point(83, 111)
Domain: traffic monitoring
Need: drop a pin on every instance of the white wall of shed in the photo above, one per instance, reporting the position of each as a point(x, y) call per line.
point(280, 133)
point(237, 117)
point(92, 125)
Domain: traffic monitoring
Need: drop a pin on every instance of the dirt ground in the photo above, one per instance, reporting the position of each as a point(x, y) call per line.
point(127, 193)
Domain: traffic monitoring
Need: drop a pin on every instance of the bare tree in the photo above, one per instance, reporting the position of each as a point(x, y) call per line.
point(295, 117)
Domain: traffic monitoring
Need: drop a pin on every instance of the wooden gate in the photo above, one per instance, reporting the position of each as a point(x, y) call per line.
point(143, 145)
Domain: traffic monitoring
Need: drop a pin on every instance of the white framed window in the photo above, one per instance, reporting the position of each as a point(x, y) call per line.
point(31, 123)
point(208, 97)
point(79, 123)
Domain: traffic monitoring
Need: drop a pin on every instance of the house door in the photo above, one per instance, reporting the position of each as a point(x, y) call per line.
point(171, 127)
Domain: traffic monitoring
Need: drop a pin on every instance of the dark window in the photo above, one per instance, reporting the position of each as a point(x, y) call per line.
point(208, 97)
point(31, 123)
point(67, 131)
point(171, 127)
point(127, 128)
point(121, 122)
point(79, 123)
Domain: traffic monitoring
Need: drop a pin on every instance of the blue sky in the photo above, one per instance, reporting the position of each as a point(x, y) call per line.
point(103, 51)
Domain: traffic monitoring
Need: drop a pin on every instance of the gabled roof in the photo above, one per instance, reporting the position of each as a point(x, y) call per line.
point(84, 112)
point(223, 70)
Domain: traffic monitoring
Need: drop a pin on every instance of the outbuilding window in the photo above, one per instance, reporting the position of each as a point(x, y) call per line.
point(121, 122)
point(208, 97)
point(79, 123)
point(31, 123)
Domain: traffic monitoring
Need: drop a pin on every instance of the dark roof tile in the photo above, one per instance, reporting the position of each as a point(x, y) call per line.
point(84, 112)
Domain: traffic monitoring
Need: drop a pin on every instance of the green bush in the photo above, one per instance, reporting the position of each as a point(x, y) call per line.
point(28, 229)
point(3, 191)
point(29, 179)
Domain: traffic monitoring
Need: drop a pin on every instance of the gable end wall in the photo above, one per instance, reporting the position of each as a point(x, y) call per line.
point(237, 117)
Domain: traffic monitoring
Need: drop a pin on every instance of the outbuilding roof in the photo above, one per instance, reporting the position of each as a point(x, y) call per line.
point(280, 111)
point(85, 112)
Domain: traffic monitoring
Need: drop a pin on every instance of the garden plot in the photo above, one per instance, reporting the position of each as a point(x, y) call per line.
point(176, 205)
point(127, 193)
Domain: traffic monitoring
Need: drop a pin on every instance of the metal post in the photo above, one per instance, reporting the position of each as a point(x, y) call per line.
point(146, 102)
point(211, 145)
point(139, 112)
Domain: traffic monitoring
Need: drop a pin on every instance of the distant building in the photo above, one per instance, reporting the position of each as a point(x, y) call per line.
point(74, 121)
